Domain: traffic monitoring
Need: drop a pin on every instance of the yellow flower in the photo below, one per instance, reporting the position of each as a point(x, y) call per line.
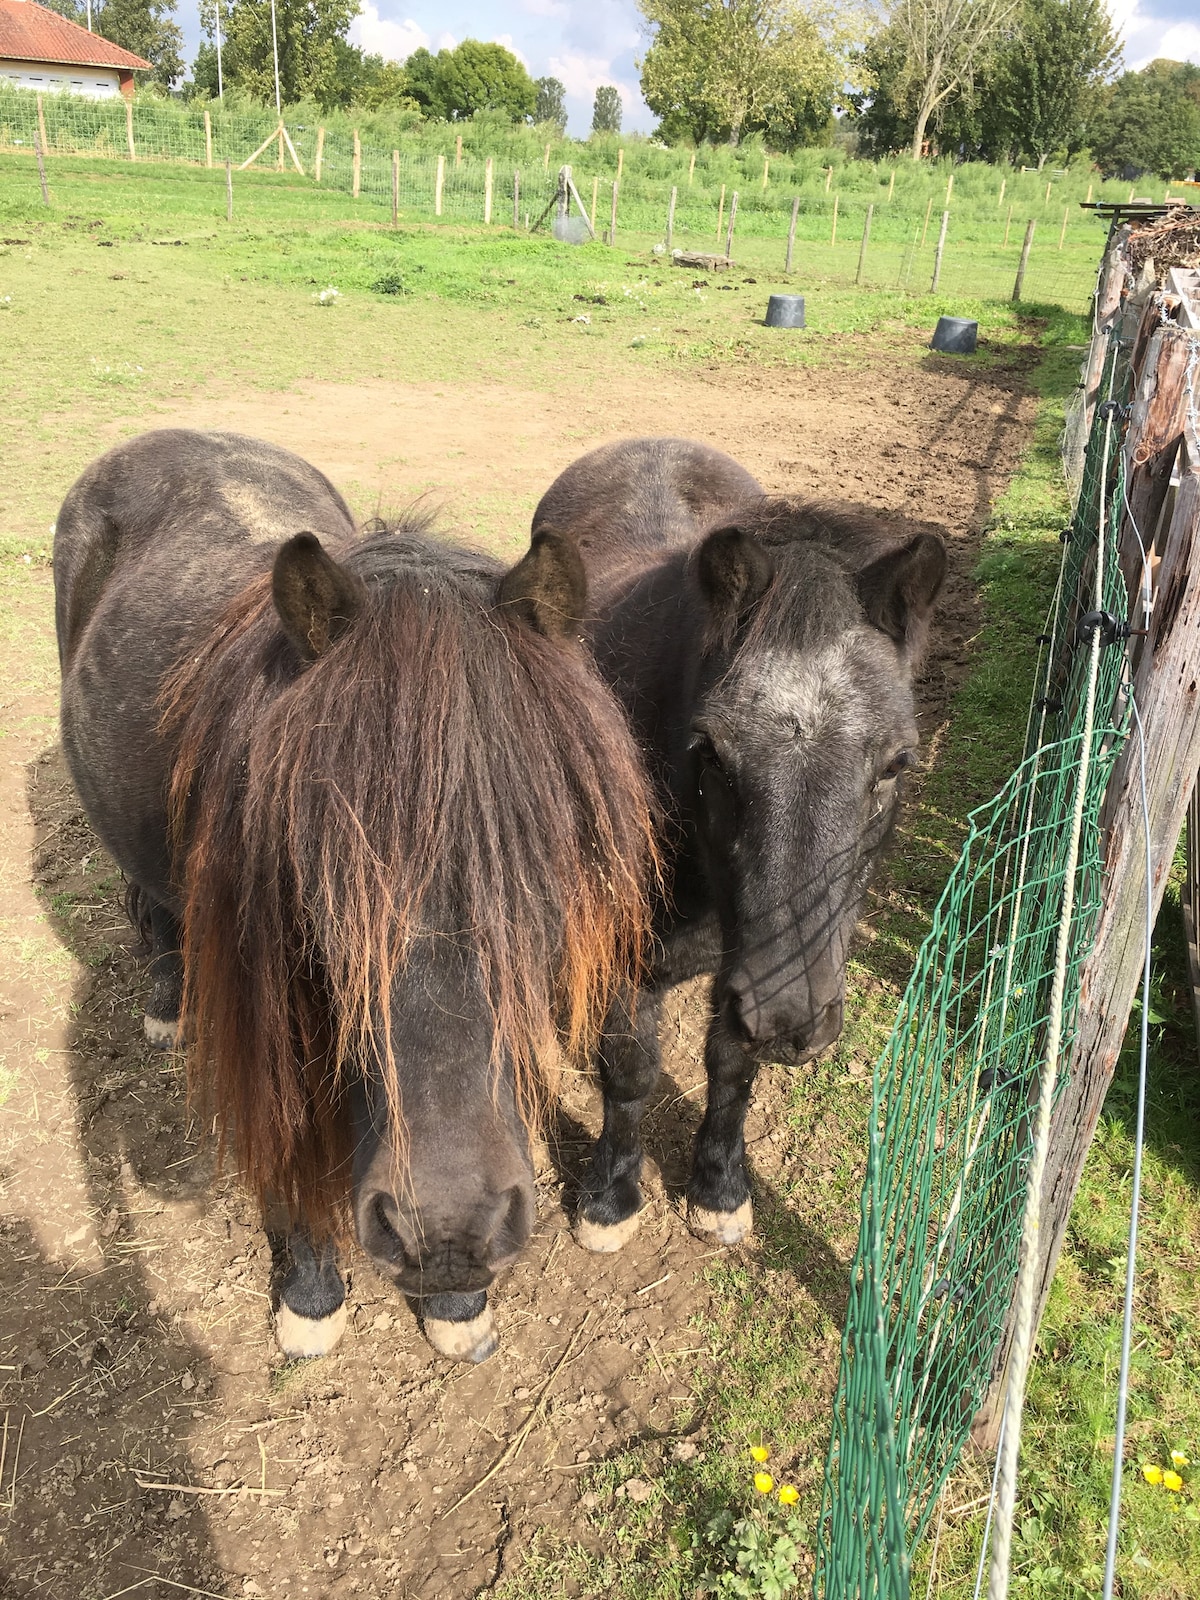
point(764, 1482)
point(788, 1495)
point(1172, 1480)
point(1178, 1459)
point(1152, 1474)
point(759, 1452)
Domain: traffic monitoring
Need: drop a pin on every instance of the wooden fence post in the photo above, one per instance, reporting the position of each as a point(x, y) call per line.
point(320, 154)
point(828, 178)
point(228, 191)
point(1062, 238)
point(37, 149)
point(395, 187)
point(487, 192)
point(732, 219)
point(128, 127)
point(937, 259)
point(516, 199)
point(766, 168)
point(1165, 671)
point(928, 214)
point(356, 183)
point(671, 219)
point(42, 123)
point(892, 183)
point(691, 168)
point(1007, 225)
point(787, 262)
point(1049, 186)
point(546, 159)
point(949, 188)
point(1003, 186)
point(612, 227)
point(833, 230)
point(439, 184)
point(862, 249)
point(620, 164)
point(1024, 261)
point(207, 139)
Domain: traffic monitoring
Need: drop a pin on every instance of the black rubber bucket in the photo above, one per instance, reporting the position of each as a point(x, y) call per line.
point(956, 336)
point(785, 311)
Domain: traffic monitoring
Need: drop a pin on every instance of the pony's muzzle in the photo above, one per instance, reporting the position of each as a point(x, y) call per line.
point(782, 1028)
point(433, 1251)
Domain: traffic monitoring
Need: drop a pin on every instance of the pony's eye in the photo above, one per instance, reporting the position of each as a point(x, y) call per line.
point(896, 766)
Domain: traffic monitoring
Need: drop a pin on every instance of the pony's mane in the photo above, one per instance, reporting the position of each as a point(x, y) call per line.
point(442, 771)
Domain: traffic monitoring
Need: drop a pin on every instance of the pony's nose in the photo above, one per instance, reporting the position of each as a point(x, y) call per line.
point(435, 1250)
point(784, 1028)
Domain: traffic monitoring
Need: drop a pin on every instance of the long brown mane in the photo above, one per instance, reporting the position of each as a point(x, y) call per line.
point(442, 771)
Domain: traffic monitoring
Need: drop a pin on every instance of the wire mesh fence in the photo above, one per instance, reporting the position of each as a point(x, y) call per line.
point(950, 1133)
point(978, 260)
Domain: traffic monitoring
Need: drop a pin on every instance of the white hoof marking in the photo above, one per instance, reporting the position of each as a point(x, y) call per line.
point(606, 1237)
point(727, 1227)
point(464, 1341)
point(163, 1035)
point(299, 1336)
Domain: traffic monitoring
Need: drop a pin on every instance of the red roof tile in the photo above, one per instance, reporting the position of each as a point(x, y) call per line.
point(29, 32)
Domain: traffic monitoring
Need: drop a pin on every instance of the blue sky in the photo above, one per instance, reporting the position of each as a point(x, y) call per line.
point(589, 42)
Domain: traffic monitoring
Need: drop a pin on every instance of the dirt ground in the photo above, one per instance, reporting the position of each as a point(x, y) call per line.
point(137, 1351)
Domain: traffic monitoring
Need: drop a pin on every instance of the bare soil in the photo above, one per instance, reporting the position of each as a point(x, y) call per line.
point(136, 1350)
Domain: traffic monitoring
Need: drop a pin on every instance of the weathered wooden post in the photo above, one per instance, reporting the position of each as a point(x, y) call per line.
point(356, 178)
point(937, 258)
point(892, 183)
point(1024, 261)
point(671, 219)
point(487, 191)
point(833, 229)
point(949, 188)
point(41, 116)
point(128, 127)
point(1007, 226)
point(787, 262)
point(1062, 238)
point(612, 226)
point(862, 250)
point(320, 156)
point(395, 187)
point(1003, 186)
point(928, 214)
point(732, 219)
point(691, 168)
point(562, 199)
point(207, 138)
point(37, 149)
point(766, 168)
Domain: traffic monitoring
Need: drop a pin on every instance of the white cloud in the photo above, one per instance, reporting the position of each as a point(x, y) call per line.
point(582, 75)
point(1146, 36)
point(1181, 42)
point(394, 41)
point(506, 39)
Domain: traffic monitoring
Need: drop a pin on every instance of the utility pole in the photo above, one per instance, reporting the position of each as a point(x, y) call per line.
point(220, 81)
point(275, 56)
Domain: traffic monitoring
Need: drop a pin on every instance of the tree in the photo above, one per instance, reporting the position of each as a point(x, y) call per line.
point(309, 33)
point(485, 77)
point(550, 106)
point(1151, 122)
point(724, 69)
point(423, 71)
point(943, 41)
point(606, 110)
point(146, 27)
point(1048, 80)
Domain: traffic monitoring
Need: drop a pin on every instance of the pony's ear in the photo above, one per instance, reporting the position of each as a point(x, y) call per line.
point(899, 589)
point(734, 572)
point(548, 586)
point(316, 599)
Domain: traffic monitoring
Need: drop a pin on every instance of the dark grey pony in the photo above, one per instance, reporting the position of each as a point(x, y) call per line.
point(388, 830)
point(764, 651)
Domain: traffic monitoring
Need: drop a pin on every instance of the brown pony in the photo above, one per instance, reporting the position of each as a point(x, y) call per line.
point(375, 793)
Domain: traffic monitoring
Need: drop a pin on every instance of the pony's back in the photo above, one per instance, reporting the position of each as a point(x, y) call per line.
point(205, 494)
point(642, 495)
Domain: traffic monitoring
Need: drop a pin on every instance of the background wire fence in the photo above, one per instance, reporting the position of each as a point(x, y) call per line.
point(950, 1132)
point(979, 261)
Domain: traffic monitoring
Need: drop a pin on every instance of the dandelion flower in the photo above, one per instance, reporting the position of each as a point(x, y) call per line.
point(1172, 1480)
point(1178, 1459)
point(1152, 1474)
point(764, 1482)
point(788, 1494)
point(759, 1452)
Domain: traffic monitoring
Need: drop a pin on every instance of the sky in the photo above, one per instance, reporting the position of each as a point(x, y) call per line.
point(585, 43)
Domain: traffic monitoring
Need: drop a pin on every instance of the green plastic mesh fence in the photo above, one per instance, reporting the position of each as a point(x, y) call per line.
point(950, 1130)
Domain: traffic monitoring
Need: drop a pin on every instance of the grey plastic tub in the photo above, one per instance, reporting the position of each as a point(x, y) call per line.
point(956, 336)
point(785, 311)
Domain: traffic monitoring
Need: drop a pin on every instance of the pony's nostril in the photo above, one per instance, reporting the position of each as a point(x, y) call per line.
point(388, 1240)
point(513, 1227)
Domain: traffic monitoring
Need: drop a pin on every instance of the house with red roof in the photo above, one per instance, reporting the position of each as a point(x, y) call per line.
point(43, 51)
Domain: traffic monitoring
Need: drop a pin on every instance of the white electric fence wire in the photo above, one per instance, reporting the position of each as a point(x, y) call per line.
point(987, 1526)
point(1030, 1247)
point(1114, 1508)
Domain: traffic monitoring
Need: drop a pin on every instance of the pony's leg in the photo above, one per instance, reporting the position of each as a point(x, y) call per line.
point(460, 1326)
point(718, 1193)
point(610, 1209)
point(311, 1316)
point(161, 1020)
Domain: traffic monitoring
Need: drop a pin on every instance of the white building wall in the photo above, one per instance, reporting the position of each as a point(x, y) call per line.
point(97, 83)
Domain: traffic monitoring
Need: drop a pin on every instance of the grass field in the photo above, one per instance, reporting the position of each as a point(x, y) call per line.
point(133, 295)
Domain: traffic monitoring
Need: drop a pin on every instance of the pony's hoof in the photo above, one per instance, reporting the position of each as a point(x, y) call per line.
point(604, 1238)
point(726, 1227)
point(300, 1337)
point(473, 1341)
point(162, 1035)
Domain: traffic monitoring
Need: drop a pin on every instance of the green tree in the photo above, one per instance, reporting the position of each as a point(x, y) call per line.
point(550, 104)
point(485, 77)
point(1048, 79)
point(944, 42)
point(724, 69)
point(309, 33)
point(424, 72)
point(1151, 122)
point(148, 28)
point(606, 110)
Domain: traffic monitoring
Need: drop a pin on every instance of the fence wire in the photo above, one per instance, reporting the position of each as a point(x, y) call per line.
point(951, 1123)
